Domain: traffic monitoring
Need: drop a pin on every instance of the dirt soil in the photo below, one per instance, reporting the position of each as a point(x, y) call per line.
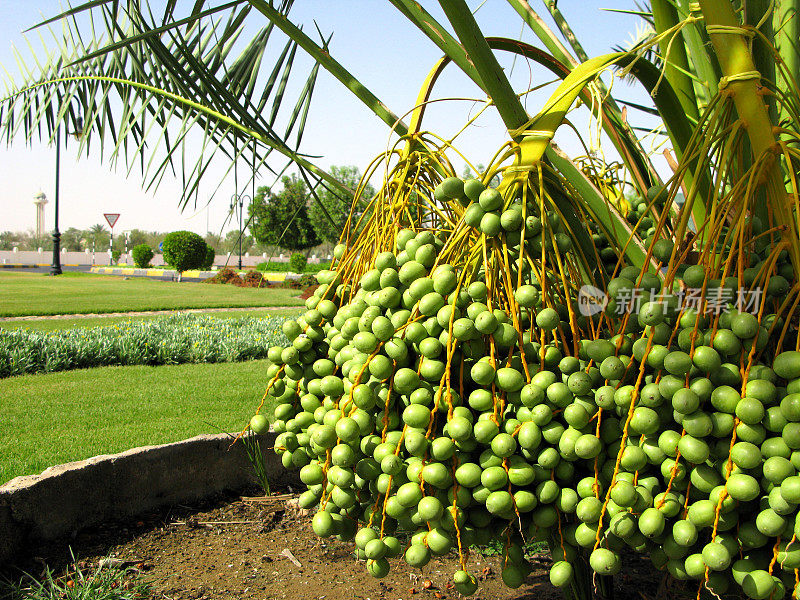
point(234, 548)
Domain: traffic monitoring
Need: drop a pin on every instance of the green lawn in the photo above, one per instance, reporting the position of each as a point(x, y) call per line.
point(38, 294)
point(72, 323)
point(60, 417)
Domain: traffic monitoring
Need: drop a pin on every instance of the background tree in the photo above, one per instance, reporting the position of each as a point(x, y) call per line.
point(10, 239)
point(260, 248)
point(231, 242)
point(32, 242)
point(136, 237)
point(24, 240)
point(282, 219)
point(337, 204)
point(97, 236)
point(154, 238)
point(214, 240)
point(71, 239)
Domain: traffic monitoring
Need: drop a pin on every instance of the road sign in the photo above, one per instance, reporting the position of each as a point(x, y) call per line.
point(111, 218)
point(160, 246)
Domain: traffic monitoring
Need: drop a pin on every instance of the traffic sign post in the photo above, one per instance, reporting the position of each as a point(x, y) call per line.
point(127, 234)
point(111, 219)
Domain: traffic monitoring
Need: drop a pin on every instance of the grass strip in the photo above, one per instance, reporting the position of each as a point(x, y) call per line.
point(71, 293)
point(89, 322)
point(54, 418)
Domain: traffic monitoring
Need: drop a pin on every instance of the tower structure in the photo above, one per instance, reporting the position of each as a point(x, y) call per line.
point(40, 200)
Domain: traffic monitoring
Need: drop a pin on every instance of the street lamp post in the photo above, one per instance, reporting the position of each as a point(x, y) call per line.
point(55, 267)
point(237, 204)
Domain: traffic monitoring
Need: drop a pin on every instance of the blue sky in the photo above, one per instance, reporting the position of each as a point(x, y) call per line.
point(386, 53)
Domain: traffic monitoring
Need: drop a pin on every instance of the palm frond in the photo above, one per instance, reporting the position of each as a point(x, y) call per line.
point(150, 90)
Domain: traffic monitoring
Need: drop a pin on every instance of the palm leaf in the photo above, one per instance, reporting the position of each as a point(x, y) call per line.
point(335, 68)
point(676, 61)
point(146, 87)
point(616, 128)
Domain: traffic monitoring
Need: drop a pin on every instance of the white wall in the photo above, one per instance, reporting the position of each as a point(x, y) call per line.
point(45, 257)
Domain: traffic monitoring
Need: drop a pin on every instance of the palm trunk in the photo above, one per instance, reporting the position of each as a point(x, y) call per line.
point(743, 83)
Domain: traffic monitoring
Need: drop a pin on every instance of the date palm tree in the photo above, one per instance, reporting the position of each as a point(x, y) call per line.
point(98, 236)
point(723, 77)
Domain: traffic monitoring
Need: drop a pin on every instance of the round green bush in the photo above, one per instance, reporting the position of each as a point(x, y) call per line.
point(142, 255)
point(297, 262)
point(208, 261)
point(184, 250)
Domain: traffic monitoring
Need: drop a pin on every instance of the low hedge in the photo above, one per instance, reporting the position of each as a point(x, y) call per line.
point(283, 267)
point(170, 340)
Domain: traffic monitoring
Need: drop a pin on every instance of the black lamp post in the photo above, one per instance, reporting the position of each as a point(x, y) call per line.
point(237, 204)
point(55, 267)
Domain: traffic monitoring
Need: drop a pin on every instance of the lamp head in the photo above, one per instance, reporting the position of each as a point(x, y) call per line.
point(78, 133)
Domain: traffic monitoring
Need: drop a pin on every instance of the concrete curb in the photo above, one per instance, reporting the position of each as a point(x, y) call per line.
point(38, 266)
point(67, 498)
point(6, 266)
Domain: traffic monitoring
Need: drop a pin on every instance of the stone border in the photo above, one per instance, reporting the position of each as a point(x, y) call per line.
point(67, 498)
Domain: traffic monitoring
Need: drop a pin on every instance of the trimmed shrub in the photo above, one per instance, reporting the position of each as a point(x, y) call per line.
point(253, 279)
point(208, 262)
point(142, 255)
point(115, 254)
point(302, 283)
point(184, 250)
point(281, 267)
point(226, 275)
point(273, 267)
point(297, 262)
